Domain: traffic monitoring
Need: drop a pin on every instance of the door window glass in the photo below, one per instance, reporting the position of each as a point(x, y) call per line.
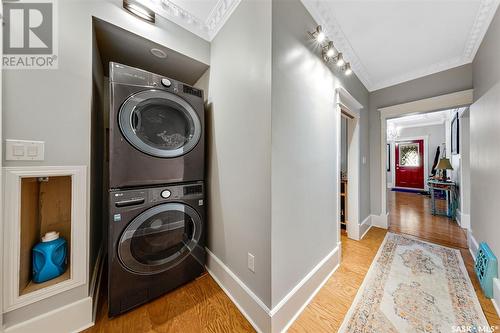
point(409, 155)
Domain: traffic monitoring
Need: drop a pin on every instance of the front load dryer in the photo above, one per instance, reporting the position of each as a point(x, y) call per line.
point(156, 242)
point(156, 129)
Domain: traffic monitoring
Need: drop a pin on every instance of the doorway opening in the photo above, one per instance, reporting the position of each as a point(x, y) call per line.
point(424, 175)
point(348, 166)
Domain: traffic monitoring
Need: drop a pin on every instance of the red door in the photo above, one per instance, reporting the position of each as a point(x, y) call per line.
point(410, 164)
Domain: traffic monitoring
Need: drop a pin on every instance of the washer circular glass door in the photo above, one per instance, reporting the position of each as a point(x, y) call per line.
point(159, 238)
point(159, 123)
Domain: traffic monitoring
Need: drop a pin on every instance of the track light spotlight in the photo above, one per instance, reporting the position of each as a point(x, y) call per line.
point(318, 35)
point(347, 69)
point(340, 60)
point(330, 50)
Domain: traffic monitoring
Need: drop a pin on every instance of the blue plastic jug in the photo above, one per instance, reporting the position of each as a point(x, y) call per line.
point(49, 257)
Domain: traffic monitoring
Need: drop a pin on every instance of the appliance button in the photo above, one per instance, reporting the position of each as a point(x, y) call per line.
point(165, 194)
point(166, 82)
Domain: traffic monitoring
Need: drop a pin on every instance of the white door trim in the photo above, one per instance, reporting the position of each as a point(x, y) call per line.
point(462, 213)
point(443, 102)
point(345, 101)
point(426, 158)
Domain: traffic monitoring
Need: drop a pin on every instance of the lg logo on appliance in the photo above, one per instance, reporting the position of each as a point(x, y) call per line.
point(30, 35)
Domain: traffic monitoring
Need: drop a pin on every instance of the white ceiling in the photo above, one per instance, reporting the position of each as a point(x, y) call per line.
point(419, 120)
point(393, 41)
point(202, 17)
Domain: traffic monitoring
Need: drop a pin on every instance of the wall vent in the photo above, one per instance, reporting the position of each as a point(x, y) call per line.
point(486, 268)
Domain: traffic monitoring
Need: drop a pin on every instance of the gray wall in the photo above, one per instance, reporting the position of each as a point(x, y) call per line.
point(304, 149)
point(452, 80)
point(436, 134)
point(58, 110)
point(239, 141)
point(484, 139)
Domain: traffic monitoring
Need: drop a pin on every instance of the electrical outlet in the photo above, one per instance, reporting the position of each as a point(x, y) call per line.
point(251, 262)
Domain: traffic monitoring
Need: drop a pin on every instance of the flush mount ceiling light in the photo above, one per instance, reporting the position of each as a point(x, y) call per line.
point(158, 53)
point(139, 10)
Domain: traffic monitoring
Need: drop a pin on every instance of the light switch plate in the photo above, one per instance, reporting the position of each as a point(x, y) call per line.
point(24, 150)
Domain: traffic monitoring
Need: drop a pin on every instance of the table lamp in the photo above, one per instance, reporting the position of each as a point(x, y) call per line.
point(443, 165)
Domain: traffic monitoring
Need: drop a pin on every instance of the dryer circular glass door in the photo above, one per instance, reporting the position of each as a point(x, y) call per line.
point(160, 238)
point(159, 123)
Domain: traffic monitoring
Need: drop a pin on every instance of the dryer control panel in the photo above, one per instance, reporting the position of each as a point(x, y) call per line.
point(139, 197)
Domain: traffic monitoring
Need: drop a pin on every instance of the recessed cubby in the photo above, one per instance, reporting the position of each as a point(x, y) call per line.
point(43, 199)
point(45, 206)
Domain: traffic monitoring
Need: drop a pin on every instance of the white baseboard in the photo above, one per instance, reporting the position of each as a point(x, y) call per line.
point(74, 317)
point(380, 221)
point(473, 244)
point(293, 304)
point(463, 220)
point(496, 295)
point(281, 317)
point(365, 226)
point(254, 310)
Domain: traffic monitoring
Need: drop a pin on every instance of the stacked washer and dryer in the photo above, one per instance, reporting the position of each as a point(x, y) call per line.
point(156, 146)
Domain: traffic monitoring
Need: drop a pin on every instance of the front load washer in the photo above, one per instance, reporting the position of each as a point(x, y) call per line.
point(156, 129)
point(156, 242)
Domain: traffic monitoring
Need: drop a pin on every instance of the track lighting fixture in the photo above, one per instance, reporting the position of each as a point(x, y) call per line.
point(329, 52)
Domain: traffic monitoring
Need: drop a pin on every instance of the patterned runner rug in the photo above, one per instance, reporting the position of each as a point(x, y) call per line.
point(415, 286)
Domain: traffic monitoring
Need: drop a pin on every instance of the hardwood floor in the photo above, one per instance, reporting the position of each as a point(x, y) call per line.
point(201, 306)
point(409, 214)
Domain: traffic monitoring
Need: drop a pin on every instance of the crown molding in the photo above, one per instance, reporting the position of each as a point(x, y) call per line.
point(207, 29)
point(323, 15)
point(219, 16)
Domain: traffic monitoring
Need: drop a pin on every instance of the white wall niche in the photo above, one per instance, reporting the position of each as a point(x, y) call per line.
point(77, 248)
